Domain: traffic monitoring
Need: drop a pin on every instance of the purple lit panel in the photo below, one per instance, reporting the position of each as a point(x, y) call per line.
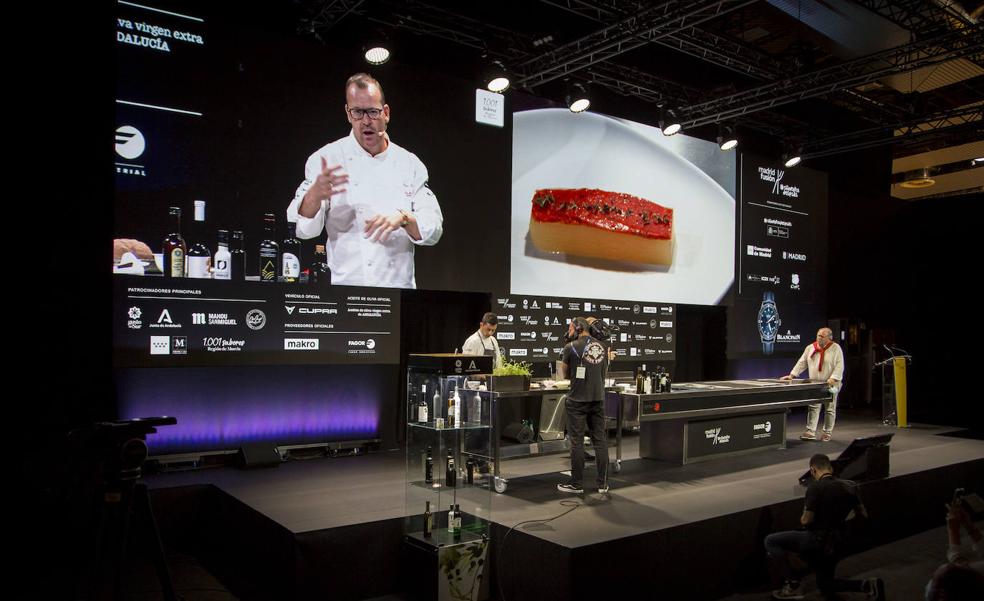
point(219, 408)
point(752, 369)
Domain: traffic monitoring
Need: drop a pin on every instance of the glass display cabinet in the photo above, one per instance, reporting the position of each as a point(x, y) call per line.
point(449, 478)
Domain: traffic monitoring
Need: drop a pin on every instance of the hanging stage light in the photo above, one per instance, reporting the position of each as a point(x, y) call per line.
point(577, 98)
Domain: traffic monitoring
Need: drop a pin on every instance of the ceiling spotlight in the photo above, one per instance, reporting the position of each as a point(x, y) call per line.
point(792, 155)
point(917, 179)
point(497, 78)
point(727, 139)
point(377, 51)
point(577, 98)
point(669, 123)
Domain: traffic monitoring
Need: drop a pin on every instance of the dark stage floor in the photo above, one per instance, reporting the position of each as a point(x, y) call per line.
point(646, 495)
point(680, 516)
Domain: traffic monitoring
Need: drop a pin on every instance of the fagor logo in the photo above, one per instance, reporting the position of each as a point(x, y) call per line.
point(130, 143)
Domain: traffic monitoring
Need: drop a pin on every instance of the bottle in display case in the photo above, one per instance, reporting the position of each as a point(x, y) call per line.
point(269, 250)
point(422, 405)
point(223, 258)
point(319, 272)
point(428, 521)
point(199, 259)
point(451, 474)
point(429, 467)
point(290, 254)
point(237, 256)
point(174, 247)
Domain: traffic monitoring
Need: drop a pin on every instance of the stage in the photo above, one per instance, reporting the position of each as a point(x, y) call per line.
point(332, 528)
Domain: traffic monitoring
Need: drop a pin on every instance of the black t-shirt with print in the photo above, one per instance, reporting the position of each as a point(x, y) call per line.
point(591, 354)
point(831, 500)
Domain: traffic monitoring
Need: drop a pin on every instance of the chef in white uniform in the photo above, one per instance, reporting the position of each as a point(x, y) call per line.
point(369, 195)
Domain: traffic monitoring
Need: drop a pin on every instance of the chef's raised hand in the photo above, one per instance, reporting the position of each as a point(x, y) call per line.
point(330, 181)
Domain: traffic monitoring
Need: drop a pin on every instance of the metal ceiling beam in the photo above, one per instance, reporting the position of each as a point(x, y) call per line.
point(330, 13)
point(967, 118)
point(923, 53)
point(648, 25)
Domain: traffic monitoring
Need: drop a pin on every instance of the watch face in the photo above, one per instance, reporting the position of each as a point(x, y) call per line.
point(768, 321)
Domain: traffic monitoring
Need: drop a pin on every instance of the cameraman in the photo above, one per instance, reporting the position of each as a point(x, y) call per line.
point(585, 361)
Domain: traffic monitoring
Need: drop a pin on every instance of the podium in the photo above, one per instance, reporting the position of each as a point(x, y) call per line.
point(894, 391)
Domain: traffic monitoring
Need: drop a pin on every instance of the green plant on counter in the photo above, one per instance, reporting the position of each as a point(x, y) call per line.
point(513, 368)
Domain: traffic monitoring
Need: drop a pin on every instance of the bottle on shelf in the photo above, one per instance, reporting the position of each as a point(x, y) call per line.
point(199, 259)
point(174, 247)
point(290, 254)
point(269, 250)
point(640, 386)
point(422, 405)
point(437, 401)
point(428, 520)
point(319, 273)
point(451, 474)
point(474, 409)
point(223, 258)
point(456, 404)
point(451, 517)
point(450, 421)
point(429, 467)
point(237, 254)
point(470, 471)
point(456, 522)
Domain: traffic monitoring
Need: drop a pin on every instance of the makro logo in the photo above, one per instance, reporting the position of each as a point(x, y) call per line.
point(650, 309)
point(301, 344)
point(666, 324)
point(517, 352)
point(715, 435)
point(793, 256)
point(130, 143)
point(505, 335)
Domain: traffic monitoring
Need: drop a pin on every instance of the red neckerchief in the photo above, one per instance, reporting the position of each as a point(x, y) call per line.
point(818, 349)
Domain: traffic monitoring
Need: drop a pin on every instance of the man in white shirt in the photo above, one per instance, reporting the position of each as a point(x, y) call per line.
point(824, 360)
point(369, 195)
point(483, 342)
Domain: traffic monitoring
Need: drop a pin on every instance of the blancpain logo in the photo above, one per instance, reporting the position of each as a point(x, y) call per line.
point(788, 337)
point(715, 435)
point(759, 251)
point(793, 256)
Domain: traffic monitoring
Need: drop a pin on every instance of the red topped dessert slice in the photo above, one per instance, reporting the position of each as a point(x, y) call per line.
point(597, 223)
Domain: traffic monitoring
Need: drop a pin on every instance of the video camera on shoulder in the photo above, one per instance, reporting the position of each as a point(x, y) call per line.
point(970, 502)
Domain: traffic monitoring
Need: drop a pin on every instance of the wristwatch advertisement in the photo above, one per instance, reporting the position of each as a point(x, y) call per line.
point(768, 322)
